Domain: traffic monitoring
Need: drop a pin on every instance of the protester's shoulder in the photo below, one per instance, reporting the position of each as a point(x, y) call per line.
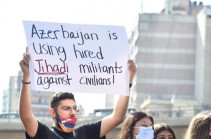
point(88, 126)
point(47, 130)
point(42, 132)
point(89, 130)
point(91, 124)
point(41, 124)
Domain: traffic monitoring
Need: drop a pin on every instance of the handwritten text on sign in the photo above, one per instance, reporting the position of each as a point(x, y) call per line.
point(77, 58)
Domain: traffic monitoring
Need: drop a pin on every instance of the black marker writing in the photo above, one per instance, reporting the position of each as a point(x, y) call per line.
point(50, 50)
point(88, 54)
point(112, 36)
point(78, 34)
point(42, 34)
point(94, 80)
point(98, 68)
point(47, 81)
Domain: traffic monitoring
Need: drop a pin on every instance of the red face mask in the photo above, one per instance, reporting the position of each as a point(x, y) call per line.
point(67, 123)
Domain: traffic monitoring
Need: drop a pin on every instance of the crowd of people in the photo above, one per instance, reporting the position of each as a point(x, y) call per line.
point(140, 125)
point(63, 110)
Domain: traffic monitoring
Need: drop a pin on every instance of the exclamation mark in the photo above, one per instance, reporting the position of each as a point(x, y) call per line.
point(113, 80)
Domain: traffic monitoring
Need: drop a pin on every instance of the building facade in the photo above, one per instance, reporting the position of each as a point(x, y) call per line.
point(39, 100)
point(10, 97)
point(173, 54)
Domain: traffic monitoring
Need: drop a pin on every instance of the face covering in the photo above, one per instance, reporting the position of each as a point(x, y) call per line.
point(67, 124)
point(145, 133)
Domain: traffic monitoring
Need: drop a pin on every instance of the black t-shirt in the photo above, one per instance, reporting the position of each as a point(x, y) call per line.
point(86, 131)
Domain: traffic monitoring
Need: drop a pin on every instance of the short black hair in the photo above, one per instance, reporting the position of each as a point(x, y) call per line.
point(57, 97)
point(162, 127)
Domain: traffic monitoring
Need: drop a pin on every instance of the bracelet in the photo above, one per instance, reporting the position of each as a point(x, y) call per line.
point(130, 85)
point(23, 82)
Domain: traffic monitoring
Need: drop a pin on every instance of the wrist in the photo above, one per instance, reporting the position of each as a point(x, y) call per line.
point(26, 78)
point(24, 82)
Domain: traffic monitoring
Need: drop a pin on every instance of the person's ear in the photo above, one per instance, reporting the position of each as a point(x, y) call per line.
point(52, 112)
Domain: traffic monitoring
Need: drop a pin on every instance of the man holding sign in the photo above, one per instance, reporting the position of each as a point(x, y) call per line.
point(74, 58)
point(64, 113)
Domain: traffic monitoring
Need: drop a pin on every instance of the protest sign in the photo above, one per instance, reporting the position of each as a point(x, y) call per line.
point(78, 58)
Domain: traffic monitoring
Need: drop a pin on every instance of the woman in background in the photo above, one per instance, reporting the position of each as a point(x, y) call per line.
point(199, 127)
point(163, 131)
point(137, 126)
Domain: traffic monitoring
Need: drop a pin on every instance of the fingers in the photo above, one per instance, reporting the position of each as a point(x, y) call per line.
point(27, 49)
point(130, 61)
point(25, 59)
point(132, 70)
point(131, 65)
point(24, 64)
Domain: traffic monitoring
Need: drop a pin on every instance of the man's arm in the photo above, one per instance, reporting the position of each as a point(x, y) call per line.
point(110, 122)
point(28, 119)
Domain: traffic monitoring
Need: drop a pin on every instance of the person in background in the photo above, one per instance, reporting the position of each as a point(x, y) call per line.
point(199, 127)
point(163, 131)
point(137, 126)
point(63, 110)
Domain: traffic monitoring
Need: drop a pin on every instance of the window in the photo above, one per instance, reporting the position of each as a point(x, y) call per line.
point(143, 26)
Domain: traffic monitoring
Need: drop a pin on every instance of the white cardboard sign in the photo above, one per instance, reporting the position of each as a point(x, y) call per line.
point(78, 58)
